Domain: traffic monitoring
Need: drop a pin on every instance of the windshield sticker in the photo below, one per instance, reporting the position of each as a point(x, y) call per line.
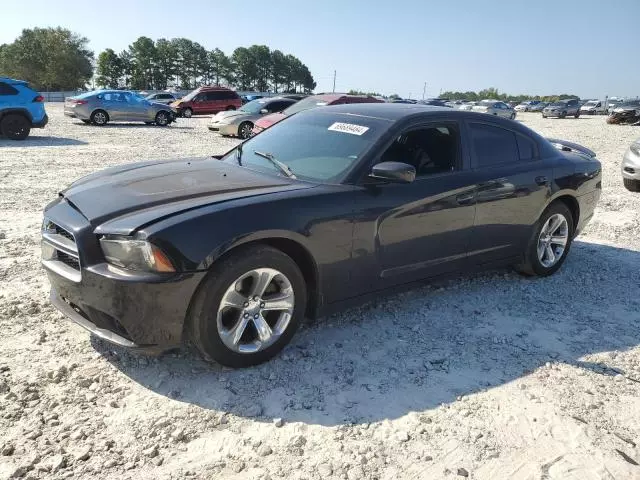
point(348, 128)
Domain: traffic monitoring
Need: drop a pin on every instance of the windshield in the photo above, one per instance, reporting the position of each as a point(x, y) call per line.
point(253, 107)
point(591, 103)
point(558, 104)
point(189, 96)
point(305, 104)
point(333, 144)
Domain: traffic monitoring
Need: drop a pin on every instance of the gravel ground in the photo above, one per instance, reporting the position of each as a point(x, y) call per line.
point(487, 376)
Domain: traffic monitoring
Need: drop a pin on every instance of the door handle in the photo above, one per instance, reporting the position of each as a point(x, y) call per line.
point(542, 180)
point(465, 198)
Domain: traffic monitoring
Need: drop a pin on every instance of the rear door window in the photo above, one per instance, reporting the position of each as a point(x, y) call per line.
point(6, 89)
point(493, 145)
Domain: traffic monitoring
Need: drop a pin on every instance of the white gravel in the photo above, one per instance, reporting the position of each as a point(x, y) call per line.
point(489, 376)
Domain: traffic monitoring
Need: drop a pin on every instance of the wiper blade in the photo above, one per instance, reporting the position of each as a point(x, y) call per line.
point(283, 167)
point(239, 154)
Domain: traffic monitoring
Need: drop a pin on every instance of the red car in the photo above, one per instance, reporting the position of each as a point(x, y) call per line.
point(311, 102)
point(206, 100)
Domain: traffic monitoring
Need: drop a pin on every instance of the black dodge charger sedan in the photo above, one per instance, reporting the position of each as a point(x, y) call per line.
point(327, 208)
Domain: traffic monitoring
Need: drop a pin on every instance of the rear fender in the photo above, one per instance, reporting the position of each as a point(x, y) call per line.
point(20, 111)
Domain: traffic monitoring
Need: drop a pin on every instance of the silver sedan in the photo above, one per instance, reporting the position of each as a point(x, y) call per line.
point(631, 167)
point(103, 106)
point(240, 122)
point(495, 107)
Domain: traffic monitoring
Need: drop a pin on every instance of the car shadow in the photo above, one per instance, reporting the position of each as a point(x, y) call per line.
point(128, 125)
point(414, 351)
point(42, 141)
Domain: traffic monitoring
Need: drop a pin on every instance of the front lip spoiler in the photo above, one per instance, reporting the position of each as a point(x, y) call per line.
point(106, 335)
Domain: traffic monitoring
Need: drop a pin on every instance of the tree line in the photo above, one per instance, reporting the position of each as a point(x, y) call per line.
point(185, 64)
point(491, 93)
point(58, 59)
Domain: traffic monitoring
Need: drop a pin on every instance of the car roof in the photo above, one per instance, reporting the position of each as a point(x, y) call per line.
point(386, 111)
point(214, 88)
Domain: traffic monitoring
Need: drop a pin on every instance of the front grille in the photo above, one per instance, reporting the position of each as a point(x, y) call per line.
point(60, 251)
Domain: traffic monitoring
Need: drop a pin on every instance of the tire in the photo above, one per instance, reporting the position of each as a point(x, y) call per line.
point(533, 264)
point(187, 113)
point(99, 118)
point(162, 119)
point(577, 115)
point(544, 116)
point(513, 116)
point(229, 108)
point(563, 115)
point(244, 130)
point(631, 185)
point(15, 126)
point(210, 327)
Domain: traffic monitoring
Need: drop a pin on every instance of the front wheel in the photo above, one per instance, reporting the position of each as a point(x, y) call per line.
point(631, 185)
point(187, 113)
point(577, 115)
point(245, 129)
point(550, 243)
point(513, 116)
point(162, 119)
point(249, 307)
point(15, 127)
point(563, 114)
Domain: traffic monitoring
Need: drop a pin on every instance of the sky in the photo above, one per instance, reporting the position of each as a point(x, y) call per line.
point(585, 47)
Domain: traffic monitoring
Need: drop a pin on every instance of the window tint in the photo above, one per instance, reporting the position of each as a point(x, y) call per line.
point(430, 150)
point(6, 89)
point(493, 145)
point(278, 106)
point(214, 96)
point(526, 148)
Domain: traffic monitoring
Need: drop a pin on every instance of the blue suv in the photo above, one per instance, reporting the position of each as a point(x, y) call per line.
point(21, 109)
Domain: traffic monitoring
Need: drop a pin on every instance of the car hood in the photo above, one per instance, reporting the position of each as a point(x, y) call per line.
point(228, 115)
point(185, 184)
point(269, 120)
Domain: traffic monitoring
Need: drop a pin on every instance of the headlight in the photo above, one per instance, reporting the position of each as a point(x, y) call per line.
point(635, 148)
point(135, 254)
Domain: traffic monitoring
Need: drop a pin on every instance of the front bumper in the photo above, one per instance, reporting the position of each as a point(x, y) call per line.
point(224, 129)
point(140, 310)
point(42, 123)
point(630, 165)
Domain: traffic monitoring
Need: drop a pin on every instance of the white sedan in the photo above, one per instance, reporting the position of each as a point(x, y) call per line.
point(495, 107)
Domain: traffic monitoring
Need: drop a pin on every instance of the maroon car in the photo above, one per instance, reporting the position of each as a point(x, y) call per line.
point(205, 100)
point(319, 100)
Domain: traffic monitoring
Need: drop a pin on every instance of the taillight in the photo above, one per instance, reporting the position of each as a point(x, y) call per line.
point(38, 99)
point(79, 102)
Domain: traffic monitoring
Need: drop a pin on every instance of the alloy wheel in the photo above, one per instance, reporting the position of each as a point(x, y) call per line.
point(255, 310)
point(100, 118)
point(245, 130)
point(552, 240)
point(162, 119)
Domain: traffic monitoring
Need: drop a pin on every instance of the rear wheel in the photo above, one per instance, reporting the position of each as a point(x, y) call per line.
point(249, 307)
point(244, 130)
point(550, 242)
point(99, 117)
point(631, 185)
point(15, 127)
point(162, 119)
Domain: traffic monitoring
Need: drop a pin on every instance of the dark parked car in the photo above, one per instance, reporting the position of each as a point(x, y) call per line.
point(562, 108)
point(206, 100)
point(232, 253)
point(627, 112)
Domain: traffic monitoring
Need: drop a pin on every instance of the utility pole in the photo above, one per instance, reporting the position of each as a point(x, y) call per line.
point(424, 90)
point(334, 81)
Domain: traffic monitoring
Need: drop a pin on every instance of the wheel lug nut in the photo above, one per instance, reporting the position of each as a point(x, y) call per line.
point(246, 304)
point(256, 316)
point(261, 304)
point(246, 315)
point(255, 298)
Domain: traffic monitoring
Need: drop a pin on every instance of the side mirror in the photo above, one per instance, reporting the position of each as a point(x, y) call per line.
point(395, 172)
point(264, 111)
